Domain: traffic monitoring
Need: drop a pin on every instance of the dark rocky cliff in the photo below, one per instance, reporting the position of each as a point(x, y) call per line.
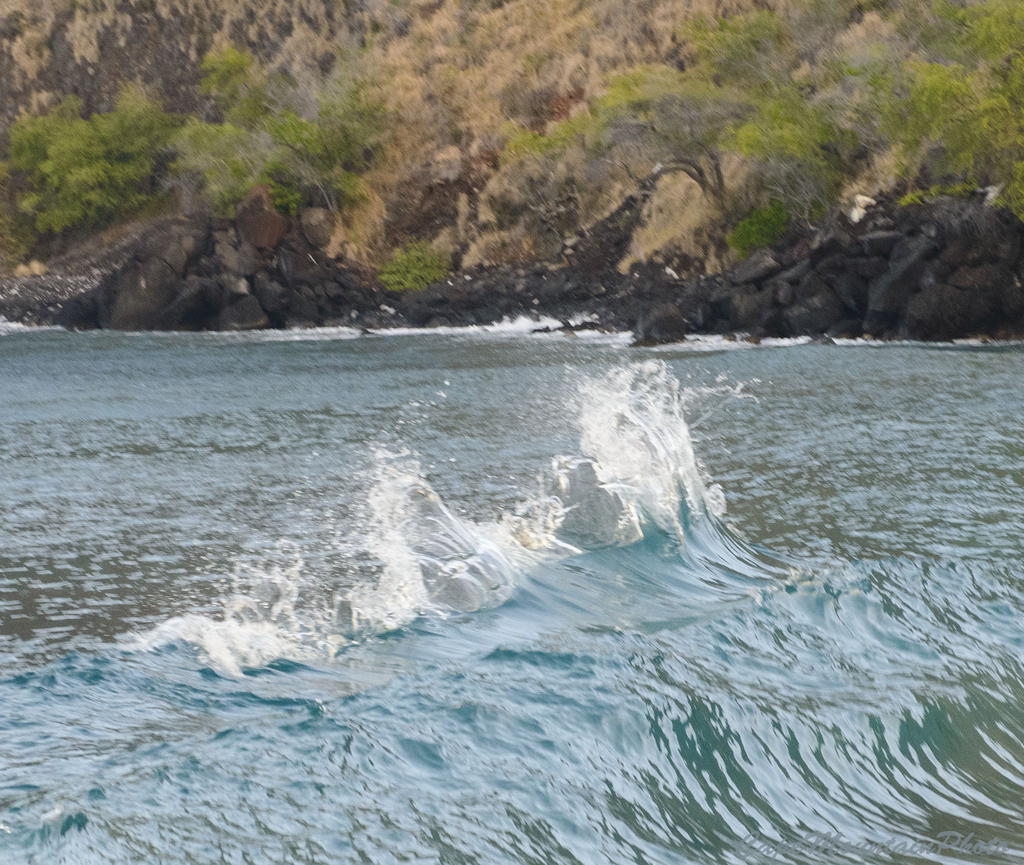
point(942, 271)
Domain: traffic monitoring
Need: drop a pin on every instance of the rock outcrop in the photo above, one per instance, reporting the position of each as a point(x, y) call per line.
point(950, 269)
point(258, 223)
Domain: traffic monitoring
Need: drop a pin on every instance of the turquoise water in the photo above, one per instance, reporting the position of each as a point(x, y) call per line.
point(481, 599)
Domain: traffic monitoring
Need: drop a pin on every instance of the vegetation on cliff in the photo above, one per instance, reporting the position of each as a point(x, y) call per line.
point(414, 267)
point(492, 133)
point(80, 172)
point(261, 136)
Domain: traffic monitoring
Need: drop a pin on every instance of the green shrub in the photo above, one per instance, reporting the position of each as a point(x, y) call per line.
point(584, 128)
point(802, 147)
point(227, 74)
point(745, 49)
point(88, 173)
point(923, 196)
point(966, 119)
point(263, 139)
point(414, 267)
point(762, 228)
point(228, 159)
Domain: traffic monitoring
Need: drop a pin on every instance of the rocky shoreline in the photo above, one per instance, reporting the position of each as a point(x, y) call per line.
point(946, 270)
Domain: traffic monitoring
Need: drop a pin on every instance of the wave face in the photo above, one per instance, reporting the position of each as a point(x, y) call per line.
point(520, 625)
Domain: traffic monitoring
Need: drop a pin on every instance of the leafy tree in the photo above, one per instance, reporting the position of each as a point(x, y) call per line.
point(227, 75)
point(800, 134)
point(229, 159)
point(89, 172)
point(312, 156)
point(804, 153)
point(970, 114)
point(753, 51)
point(675, 121)
point(14, 237)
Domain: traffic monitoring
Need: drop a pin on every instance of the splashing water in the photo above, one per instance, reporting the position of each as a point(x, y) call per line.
point(636, 468)
point(261, 621)
point(433, 561)
point(634, 427)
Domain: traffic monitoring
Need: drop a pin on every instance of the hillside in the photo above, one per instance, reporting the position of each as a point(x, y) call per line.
point(497, 132)
point(91, 49)
point(453, 77)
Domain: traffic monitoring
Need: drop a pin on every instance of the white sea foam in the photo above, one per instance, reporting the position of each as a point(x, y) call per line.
point(259, 622)
point(520, 326)
point(432, 559)
point(8, 327)
point(228, 644)
point(636, 467)
point(305, 334)
point(719, 342)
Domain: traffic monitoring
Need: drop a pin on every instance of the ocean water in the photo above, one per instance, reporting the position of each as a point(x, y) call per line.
point(488, 597)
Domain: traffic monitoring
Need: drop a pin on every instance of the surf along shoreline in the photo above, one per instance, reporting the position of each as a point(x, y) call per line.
point(948, 269)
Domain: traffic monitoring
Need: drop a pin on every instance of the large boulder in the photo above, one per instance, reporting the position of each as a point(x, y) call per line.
point(974, 300)
point(663, 324)
point(797, 272)
point(869, 268)
point(808, 287)
point(246, 314)
point(135, 296)
point(963, 251)
point(852, 289)
point(317, 226)
point(815, 315)
point(302, 311)
point(759, 266)
point(233, 286)
point(832, 240)
point(197, 301)
point(138, 295)
point(987, 288)
point(848, 328)
point(938, 312)
point(692, 301)
point(880, 243)
point(719, 300)
point(985, 279)
point(750, 309)
point(1011, 300)
point(831, 267)
point(977, 234)
point(888, 293)
point(176, 244)
point(273, 296)
point(258, 221)
point(240, 260)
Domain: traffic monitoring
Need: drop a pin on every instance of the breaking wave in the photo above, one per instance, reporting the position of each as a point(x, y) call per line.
point(635, 477)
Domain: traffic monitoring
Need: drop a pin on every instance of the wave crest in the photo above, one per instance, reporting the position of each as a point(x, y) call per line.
point(635, 469)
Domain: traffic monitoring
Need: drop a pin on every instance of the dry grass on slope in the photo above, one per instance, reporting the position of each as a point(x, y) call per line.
point(454, 75)
point(464, 74)
point(467, 68)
